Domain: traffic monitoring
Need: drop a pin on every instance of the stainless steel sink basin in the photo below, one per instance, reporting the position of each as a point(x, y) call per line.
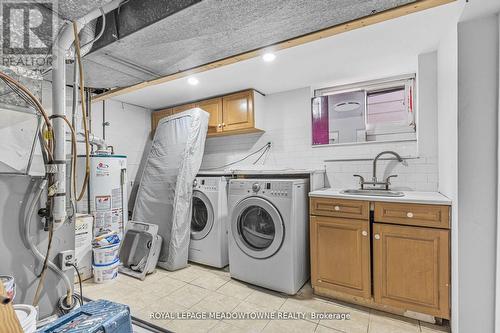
point(377, 193)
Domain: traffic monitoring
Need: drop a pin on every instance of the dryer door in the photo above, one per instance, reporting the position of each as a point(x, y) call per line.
point(203, 216)
point(257, 227)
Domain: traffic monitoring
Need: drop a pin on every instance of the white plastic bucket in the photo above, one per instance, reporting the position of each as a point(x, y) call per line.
point(27, 317)
point(105, 273)
point(9, 285)
point(106, 255)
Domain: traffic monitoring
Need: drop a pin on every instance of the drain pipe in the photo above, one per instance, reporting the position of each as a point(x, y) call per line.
point(61, 45)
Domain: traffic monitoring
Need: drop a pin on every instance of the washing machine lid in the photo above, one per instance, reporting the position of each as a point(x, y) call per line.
point(202, 219)
point(257, 227)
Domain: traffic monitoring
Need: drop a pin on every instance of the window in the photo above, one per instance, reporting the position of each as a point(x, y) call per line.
point(381, 110)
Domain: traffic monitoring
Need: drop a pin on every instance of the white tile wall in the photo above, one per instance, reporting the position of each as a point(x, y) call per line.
point(286, 119)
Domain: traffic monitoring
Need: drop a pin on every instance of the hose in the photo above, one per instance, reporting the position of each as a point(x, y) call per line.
point(38, 254)
point(84, 115)
point(36, 298)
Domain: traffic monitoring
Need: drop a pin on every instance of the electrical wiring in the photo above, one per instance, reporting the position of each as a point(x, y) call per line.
point(79, 282)
point(263, 153)
point(266, 146)
point(84, 116)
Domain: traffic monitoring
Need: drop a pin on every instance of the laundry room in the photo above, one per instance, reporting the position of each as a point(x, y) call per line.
point(249, 166)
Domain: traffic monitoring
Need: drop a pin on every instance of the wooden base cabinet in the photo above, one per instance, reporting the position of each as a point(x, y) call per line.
point(396, 259)
point(340, 255)
point(411, 268)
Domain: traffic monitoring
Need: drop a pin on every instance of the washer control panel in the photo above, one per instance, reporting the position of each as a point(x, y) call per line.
point(206, 183)
point(275, 188)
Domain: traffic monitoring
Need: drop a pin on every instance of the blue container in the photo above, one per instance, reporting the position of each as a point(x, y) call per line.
point(93, 317)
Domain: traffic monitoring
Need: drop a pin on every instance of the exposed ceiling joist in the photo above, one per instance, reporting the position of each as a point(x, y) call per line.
point(325, 33)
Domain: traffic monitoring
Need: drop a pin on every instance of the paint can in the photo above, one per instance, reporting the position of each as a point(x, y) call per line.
point(106, 273)
point(106, 255)
point(9, 285)
point(27, 315)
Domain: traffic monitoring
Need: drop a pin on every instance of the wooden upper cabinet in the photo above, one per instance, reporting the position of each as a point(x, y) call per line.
point(411, 268)
point(157, 115)
point(229, 114)
point(340, 255)
point(238, 112)
point(214, 108)
point(180, 108)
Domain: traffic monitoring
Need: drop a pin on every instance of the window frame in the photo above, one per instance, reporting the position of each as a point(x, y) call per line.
point(406, 127)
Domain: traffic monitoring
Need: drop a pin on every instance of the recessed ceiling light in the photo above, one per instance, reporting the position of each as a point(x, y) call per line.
point(193, 81)
point(268, 57)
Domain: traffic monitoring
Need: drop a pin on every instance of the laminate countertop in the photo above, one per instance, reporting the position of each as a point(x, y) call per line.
point(417, 197)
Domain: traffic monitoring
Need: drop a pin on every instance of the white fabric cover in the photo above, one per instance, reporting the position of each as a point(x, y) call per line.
point(165, 191)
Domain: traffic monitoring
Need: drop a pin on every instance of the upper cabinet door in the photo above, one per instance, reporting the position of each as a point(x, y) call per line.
point(411, 268)
point(180, 108)
point(214, 108)
point(238, 111)
point(340, 255)
point(156, 116)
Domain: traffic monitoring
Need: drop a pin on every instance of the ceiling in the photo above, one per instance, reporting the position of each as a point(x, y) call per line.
point(74, 9)
point(193, 33)
point(388, 48)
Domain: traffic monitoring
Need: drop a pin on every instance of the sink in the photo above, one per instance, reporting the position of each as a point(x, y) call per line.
point(377, 193)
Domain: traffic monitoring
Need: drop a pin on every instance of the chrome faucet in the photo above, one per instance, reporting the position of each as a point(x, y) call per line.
point(375, 181)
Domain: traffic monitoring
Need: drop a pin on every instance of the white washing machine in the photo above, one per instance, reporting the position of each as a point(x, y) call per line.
point(269, 233)
point(208, 244)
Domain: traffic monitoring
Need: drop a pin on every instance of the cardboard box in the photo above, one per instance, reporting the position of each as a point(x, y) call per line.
point(84, 225)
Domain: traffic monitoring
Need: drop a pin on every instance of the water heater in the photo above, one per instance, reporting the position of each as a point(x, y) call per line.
point(106, 195)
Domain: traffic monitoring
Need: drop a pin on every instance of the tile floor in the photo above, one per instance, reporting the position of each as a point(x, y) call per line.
point(202, 289)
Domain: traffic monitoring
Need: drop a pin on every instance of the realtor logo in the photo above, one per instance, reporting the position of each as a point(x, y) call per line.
point(27, 27)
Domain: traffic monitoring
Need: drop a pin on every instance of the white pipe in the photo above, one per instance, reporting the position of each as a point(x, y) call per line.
point(61, 45)
point(59, 100)
point(93, 140)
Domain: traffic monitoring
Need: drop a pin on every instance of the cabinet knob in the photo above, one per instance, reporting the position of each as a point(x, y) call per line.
point(377, 236)
point(336, 208)
point(409, 214)
point(364, 233)
point(219, 126)
point(223, 125)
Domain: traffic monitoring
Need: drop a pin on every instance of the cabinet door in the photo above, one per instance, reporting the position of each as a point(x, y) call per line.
point(156, 116)
point(237, 111)
point(340, 255)
point(411, 268)
point(180, 108)
point(214, 108)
